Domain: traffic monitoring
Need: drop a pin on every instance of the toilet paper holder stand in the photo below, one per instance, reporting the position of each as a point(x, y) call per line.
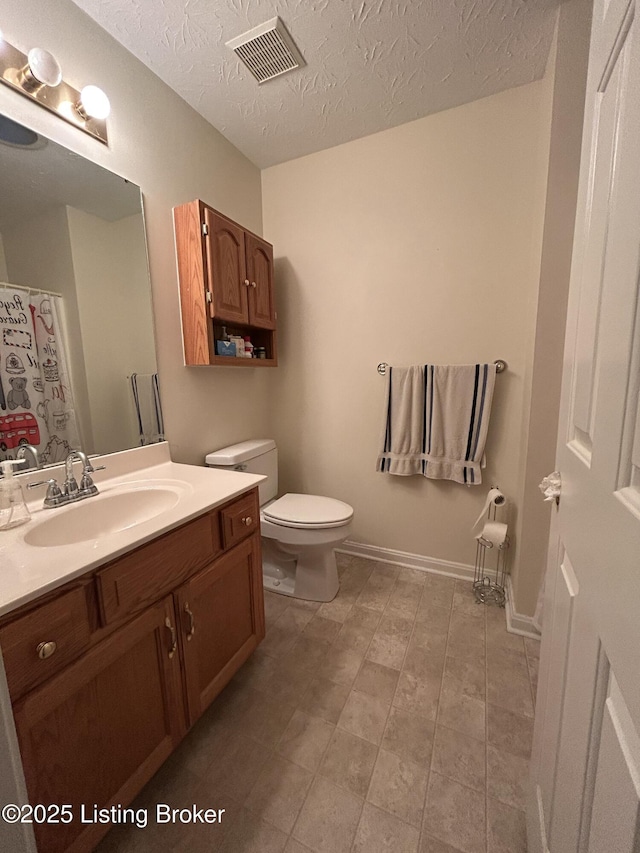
point(489, 581)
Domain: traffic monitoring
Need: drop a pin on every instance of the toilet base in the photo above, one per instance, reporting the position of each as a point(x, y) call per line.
point(313, 576)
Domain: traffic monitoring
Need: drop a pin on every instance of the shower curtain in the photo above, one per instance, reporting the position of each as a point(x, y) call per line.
point(36, 402)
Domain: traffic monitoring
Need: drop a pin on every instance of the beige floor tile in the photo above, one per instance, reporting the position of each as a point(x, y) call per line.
point(266, 720)
point(341, 665)
point(385, 570)
point(279, 793)
point(462, 713)
point(305, 740)
point(379, 832)
point(377, 680)
point(399, 787)
point(287, 682)
point(424, 664)
point(324, 699)
point(419, 697)
point(294, 619)
point(390, 640)
point(405, 598)
point(433, 618)
point(307, 652)
point(322, 629)
point(532, 648)
point(509, 731)
point(250, 834)
point(409, 736)
point(430, 637)
point(429, 844)
point(507, 777)
point(506, 828)
point(364, 716)
point(459, 757)
point(279, 641)
point(510, 690)
point(467, 678)
point(329, 818)
point(235, 771)
point(338, 609)
point(294, 846)
point(364, 619)
point(455, 814)
point(349, 762)
point(438, 592)
point(274, 605)
point(499, 638)
point(416, 576)
point(465, 600)
point(466, 627)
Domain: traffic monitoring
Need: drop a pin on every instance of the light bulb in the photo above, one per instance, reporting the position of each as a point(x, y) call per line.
point(44, 67)
point(94, 103)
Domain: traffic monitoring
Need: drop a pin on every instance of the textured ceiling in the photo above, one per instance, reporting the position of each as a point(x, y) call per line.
point(371, 64)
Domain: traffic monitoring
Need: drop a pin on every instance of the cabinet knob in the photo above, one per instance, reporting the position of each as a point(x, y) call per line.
point(174, 638)
point(247, 521)
point(253, 284)
point(45, 650)
point(192, 621)
point(246, 282)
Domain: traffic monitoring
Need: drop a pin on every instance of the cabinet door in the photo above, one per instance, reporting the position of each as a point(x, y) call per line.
point(226, 268)
point(98, 731)
point(222, 621)
point(260, 275)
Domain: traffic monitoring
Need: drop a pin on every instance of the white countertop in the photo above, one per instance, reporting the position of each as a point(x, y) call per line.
point(28, 571)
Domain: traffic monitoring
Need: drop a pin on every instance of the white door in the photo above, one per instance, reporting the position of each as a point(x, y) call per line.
point(585, 768)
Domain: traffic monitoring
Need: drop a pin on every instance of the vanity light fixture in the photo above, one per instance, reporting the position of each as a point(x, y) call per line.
point(38, 76)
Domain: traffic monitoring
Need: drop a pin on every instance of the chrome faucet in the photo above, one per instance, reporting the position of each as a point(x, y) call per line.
point(70, 491)
point(29, 448)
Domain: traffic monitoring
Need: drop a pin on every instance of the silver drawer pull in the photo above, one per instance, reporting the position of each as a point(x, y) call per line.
point(45, 650)
point(174, 637)
point(247, 521)
point(192, 621)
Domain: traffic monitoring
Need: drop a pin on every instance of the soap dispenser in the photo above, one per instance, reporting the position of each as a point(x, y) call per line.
point(13, 509)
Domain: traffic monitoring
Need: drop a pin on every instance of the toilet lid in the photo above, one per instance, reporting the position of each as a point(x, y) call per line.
point(293, 510)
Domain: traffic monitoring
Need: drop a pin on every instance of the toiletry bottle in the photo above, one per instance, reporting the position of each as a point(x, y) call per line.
point(239, 342)
point(13, 509)
point(223, 334)
point(248, 347)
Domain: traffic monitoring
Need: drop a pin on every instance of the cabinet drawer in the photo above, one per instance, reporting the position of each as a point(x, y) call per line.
point(239, 519)
point(142, 577)
point(38, 644)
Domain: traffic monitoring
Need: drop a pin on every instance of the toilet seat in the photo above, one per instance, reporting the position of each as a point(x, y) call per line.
point(308, 512)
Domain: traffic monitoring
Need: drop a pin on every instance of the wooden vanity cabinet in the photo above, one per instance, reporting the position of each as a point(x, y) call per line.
point(146, 644)
point(226, 279)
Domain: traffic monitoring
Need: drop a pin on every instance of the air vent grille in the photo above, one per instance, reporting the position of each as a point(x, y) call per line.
point(268, 50)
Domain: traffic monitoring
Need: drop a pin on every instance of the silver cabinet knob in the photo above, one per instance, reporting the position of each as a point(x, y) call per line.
point(45, 650)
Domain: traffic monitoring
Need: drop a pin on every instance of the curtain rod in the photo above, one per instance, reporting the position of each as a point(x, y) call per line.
point(30, 289)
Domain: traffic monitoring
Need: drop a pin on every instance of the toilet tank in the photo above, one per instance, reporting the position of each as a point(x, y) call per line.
point(258, 456)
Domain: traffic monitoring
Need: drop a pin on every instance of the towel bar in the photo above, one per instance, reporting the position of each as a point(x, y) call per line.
point(501, 366)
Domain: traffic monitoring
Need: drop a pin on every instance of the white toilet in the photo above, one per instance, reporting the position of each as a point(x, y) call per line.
point(299, 532)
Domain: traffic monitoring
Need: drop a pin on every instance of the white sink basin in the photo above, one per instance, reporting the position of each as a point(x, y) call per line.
point(119, 509)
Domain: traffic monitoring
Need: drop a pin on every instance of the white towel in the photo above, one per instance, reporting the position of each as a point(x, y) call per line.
point(436, 421)
point(146, 399)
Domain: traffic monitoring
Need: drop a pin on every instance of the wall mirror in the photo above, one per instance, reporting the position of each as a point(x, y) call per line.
point(75, 304)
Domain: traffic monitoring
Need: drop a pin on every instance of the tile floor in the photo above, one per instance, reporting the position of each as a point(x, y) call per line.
point(398, 718)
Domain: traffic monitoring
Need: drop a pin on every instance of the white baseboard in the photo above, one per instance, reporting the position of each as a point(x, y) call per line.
point(461, 571)
point(517, 623)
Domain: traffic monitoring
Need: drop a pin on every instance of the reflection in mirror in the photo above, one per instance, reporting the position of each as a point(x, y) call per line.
point(77, 354)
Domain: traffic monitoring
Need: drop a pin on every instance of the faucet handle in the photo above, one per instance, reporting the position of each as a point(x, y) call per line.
point(53, 496)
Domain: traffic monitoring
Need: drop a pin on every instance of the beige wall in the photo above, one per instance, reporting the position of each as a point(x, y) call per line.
point(3, 263)
point(421, 243)
point(161, 144)
point(114, 304)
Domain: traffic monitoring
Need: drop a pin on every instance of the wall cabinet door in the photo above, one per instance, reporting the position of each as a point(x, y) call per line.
point(221, 614)
point(227, 270)
point(260, 276)
point(98, 731)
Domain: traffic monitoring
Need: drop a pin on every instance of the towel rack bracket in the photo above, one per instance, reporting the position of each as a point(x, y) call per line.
point(500, 363)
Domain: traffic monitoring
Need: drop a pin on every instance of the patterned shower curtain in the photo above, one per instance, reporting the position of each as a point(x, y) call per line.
point(36, 402)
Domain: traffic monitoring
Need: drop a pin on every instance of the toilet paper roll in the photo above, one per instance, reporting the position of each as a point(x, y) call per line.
point(494, 497)
point(494, 532)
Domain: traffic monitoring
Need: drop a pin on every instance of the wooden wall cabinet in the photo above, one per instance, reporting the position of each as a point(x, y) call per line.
point(226, 279)
point(146, 644)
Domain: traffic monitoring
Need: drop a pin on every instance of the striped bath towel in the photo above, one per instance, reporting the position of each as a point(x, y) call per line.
point(436, 421)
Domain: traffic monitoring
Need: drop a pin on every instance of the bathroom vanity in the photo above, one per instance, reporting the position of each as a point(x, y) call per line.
point(115, 644)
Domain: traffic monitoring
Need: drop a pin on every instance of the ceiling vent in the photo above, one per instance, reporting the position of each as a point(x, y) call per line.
point(268, 50)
